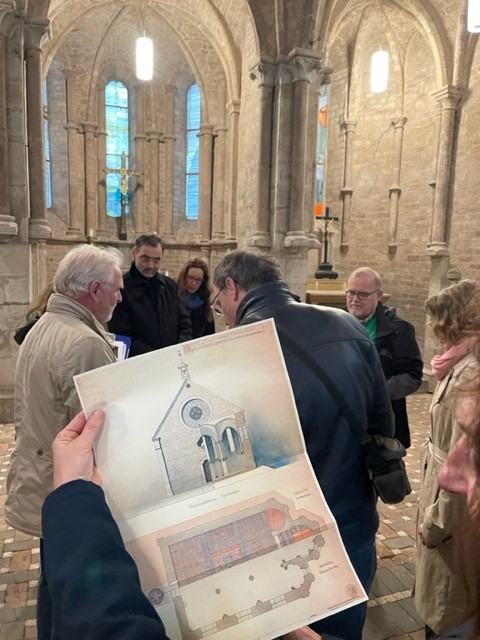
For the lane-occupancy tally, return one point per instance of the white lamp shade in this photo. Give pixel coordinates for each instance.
(473, 19)
(144, 58)
(379, 72)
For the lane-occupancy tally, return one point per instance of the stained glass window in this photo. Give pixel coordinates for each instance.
(46, 144)
(192, 152)
(116, 119)
(321, 152)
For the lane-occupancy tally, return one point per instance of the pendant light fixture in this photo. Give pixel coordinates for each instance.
(144, 58)
(379, 64)
(473, 19)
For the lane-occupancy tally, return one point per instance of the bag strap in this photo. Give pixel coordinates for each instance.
(331, 387)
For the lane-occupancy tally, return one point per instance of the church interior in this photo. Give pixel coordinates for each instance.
(258, 122)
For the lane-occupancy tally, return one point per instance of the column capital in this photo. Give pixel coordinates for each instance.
(448, 96)
(205, 130)
(35, 30)
(303, 62)
(264, 72)
(234, 107)
(349, 125)
(89, 127)
(154, 134)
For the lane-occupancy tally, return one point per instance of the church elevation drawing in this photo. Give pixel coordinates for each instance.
(202, 438)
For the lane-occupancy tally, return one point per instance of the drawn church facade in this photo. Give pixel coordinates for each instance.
(202, 438)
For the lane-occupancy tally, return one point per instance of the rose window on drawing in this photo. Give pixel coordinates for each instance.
(195, 412)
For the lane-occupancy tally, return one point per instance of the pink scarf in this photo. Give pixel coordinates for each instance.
(441, 365)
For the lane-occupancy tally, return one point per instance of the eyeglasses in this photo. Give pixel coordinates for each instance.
(214, 304)
(194, 279)
(361, 295)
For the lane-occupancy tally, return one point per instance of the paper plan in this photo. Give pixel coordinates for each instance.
(204, 467)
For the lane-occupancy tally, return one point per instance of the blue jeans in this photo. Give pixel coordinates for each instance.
(348, 624)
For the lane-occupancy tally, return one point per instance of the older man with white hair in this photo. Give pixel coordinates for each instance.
(67, 340)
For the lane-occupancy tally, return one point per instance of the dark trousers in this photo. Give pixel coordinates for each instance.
(348, 624)
(44, 604)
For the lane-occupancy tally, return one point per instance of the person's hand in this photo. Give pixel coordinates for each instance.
(73, 457)
(304, 633)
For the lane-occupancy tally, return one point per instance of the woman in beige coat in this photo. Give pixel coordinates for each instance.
(445, 587)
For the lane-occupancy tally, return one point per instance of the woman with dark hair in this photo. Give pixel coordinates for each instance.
(193, 286)
(445, 580)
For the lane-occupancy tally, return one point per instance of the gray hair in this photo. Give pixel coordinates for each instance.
(82, 266)
(149, 240)
(367, 271)
(248, 270)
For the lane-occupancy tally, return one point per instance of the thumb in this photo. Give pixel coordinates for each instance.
(92, 428)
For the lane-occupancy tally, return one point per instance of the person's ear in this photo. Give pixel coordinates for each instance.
(379, 295)
(134, 252)
(230, 284)
(94, 288)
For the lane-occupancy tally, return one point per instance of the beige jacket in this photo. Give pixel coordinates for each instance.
(445, 587)
(67, 340)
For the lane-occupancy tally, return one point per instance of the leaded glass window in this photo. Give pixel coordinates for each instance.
(192, 152)
(116, 119)
(46, 145)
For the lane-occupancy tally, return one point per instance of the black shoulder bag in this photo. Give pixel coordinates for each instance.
(382, 454)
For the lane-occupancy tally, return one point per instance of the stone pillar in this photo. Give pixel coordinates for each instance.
(264, 73)
(140, 139)
(347, 189)
(281, 155)
(395, 190)
(448, 97)
(101, 161)
(39, 228)
(205, 182)
(231, 213)
(76, 181)
(8, 226)
(218, 212)
(303, 63)
(169, 138)
(153, 138)
(90, 158)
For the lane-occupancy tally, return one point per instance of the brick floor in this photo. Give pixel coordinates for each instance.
(391, 613)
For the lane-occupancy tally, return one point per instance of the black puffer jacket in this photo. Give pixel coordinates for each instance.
(343, 348)
(401, 363)
(150, 326)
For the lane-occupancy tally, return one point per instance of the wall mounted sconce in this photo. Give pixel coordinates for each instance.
(473, 16)
(144, 58)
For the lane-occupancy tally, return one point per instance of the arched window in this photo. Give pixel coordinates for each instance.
(192, 153)
(116, 119)
(46, 144)
(319, 209)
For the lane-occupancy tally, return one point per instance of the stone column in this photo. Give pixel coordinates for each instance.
(303, 63)
(231, 212)
(140, 139)
(205, 182)
(395, 190)
(76, 181)
(101, 162)
(90, 158)
(39, 228)
(153, 138)
(169, 139)
(448, 97)
(281, 154)
(264, 73)
(347, 189)
(218, 212)
(8, 226)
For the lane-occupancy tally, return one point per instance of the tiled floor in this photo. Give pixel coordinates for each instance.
(391, 613)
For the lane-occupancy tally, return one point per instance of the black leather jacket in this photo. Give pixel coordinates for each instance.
(341, 346)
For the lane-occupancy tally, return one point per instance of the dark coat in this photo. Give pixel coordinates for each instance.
(200, 325)
(342, 346)
(92, 580)
(150, 328)
(401, 363)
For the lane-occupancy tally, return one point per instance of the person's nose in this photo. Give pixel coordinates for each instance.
(119, 296)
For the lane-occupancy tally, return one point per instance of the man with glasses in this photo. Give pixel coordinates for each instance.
(151, 313)
(249, 288)
(394, 339)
